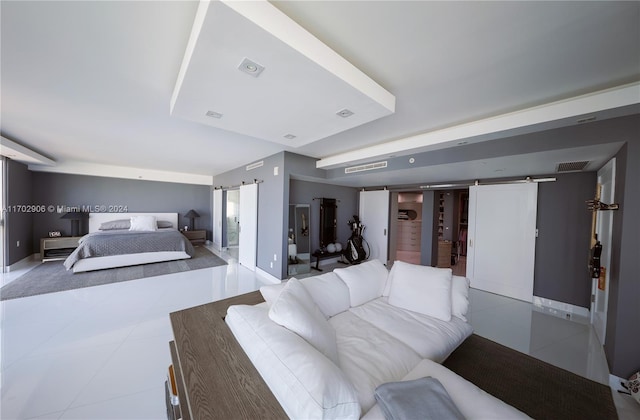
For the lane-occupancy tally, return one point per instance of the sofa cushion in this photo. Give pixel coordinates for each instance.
(422, 289)
(431, 338)
(306, 383)
(365, 281)
(459, 297)
(270, 292)
(473, 402)
(369, 356)
(295, 309)
(329, 292)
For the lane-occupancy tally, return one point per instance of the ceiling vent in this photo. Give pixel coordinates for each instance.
(367, 167)
(255, 165)
(572, 166)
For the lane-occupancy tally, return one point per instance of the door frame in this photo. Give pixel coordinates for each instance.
(600, 298)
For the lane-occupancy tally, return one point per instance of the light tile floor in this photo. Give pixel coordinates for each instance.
(102, 352)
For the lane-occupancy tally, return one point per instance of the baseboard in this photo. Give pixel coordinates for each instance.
(565, 310)
(267, 276)
(23, 263)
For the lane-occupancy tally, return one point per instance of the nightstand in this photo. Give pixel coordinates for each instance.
(53, 249)
(196, 237)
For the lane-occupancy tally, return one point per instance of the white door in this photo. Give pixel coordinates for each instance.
(217, 219)
(604, 226)
(248, 225)
(2, 216)
(374, 215)
(501, 239)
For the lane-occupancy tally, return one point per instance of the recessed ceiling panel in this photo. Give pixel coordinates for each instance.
(263, 75)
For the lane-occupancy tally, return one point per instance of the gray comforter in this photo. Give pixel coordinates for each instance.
(121, 242)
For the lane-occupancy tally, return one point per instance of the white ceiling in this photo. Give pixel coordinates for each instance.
(90, 83)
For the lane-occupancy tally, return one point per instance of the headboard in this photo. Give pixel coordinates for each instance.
(96, 219)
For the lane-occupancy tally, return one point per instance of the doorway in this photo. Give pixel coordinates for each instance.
(231, 236)
(2, 214)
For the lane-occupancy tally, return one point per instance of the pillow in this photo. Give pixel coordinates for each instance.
(163, 224)
(295, 310)
(328, 292)
(143, 223)
(365, 281)
(306, 383)
(271, 292)
(459, 297)
(422, 289)
(121, 224)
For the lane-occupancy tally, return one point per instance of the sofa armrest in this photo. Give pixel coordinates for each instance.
(219, 379)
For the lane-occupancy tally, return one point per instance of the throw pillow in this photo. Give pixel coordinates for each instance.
(295, 310)
(460, 297)
(422, 289)
(365, 281)
(143, 223)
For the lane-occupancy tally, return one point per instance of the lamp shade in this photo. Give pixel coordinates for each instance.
(191, 214)
(74, 215)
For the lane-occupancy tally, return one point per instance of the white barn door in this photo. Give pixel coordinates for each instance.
(374, 215)
(501, 239)
(248, 226)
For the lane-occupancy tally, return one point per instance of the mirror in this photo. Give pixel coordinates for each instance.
(328, 223)
(298, 240)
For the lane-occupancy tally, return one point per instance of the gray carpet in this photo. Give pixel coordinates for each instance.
(50, 277)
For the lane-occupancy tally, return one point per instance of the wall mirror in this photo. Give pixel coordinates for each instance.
(328, 222)
(298, 240)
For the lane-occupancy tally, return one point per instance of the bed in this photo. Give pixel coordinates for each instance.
(110, 243)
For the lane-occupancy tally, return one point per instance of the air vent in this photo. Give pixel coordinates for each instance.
(572, 166)
(367, 167)
(255, 165)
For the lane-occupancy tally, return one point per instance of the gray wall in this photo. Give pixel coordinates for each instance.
(562, 247)
(273, 214)
(304, 192)
(136, 195)
(19, 225)
(429, 237)
(622, 346)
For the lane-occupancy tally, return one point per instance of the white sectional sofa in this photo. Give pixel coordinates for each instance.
(324, 344)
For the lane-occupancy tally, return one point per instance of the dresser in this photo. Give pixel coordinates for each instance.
(409, 233)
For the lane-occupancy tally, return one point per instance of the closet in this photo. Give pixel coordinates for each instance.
(409, 227)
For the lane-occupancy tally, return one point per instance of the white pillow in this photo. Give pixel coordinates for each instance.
(460, 297)
(295, 310)
(422, 289)
(143, 223)
(306, 383)
(365, 281)
(271, 292)
(329, 292)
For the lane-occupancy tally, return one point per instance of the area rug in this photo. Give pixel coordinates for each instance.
(540, 390)
(50, 277)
